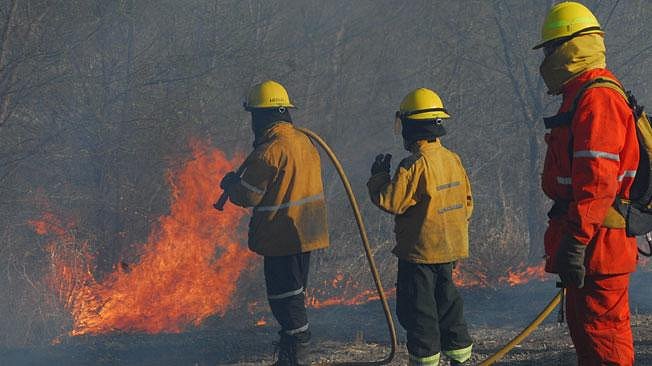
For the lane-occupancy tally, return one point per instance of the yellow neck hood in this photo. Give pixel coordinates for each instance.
(572, 58)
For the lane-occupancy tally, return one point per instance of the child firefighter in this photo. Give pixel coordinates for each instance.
(430, 196)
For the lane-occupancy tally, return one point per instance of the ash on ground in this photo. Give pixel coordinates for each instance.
(549, 345)
(353, 333)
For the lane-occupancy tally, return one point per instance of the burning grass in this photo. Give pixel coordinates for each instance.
(188, 268)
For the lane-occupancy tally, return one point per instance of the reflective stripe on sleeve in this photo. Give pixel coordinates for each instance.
(297, 330)
(627, 174)
(596, 154)
(447, 186)
(285, 294)
(450, 208)
(251, 187)
(567, 181)
(424, 361)
(300, 202)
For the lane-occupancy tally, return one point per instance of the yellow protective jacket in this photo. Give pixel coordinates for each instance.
(430, 195)
(281, 180)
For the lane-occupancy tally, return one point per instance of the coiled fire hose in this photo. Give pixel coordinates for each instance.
(527, 331)
(367, 249)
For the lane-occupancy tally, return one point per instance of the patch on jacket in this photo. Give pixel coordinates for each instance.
(409, 161)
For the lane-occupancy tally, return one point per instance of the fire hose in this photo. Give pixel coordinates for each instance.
(367, 249)
(527, 331)
(376, 277)
(372, 265)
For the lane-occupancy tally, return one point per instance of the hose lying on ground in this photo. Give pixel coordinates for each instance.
(368, 253)
(379, 287)
(372, 265)
(525, 332)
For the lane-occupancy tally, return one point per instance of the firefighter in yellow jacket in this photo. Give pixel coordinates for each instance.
(430, 196)
(281, 180)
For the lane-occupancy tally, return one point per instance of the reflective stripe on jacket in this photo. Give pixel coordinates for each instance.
(430, 195)
(282, 181)
(589, 172)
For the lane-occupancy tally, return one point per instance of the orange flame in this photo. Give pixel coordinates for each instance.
(261, 322)
(518, 275)
(466, 279)
(525, 275)
(178, 280)
(348, 292)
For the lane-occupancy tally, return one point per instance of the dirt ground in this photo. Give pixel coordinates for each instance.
(548, 345)
(352, 333)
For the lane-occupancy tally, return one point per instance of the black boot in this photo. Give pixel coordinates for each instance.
(457, 363)
(293, 350)
(286, 352)
(302, 353)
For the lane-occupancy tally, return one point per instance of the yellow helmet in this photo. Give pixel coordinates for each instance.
(568, 19)
(422, 103)
(268, 94)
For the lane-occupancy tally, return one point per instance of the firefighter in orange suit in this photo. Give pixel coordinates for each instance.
(591, 160)
(281, 179)
(430, 196)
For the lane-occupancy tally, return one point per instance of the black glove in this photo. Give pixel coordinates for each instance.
(229, 179)
(381, 164)
(570, 262)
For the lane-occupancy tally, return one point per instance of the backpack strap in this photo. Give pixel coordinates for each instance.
(604, 83)
(565, 119)
(558, 120)
(612, 84)
(614, 218)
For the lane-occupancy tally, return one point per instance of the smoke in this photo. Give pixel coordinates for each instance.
(100, 98)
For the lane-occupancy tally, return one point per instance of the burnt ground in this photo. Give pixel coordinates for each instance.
(347, 333)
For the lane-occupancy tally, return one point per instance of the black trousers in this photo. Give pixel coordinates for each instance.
(286, 278)
(430, 309)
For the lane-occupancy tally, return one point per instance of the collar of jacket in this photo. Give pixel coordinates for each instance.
(274, 130)
(572, 58)
(573, 86)
(425, 145)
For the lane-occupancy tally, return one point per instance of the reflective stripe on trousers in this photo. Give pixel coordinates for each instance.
(627, 174)
(286, 278)
(460, 355)
(424, 361)
(285, 294)
(297, 330)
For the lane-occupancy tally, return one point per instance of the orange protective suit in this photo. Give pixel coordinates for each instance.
(598, 320)
(605, 158)
(587, 169)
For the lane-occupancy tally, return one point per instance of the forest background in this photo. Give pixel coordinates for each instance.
(98, 99)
